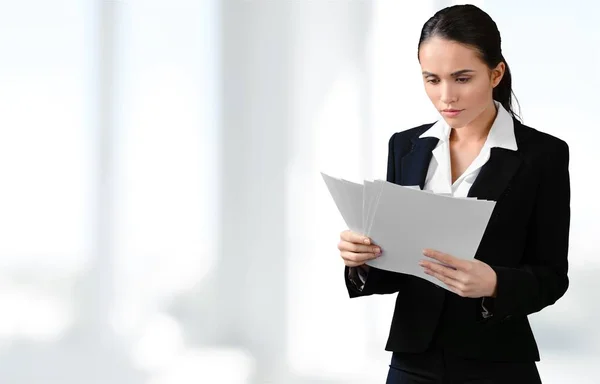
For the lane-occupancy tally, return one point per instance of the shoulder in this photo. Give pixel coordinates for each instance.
(537, 144)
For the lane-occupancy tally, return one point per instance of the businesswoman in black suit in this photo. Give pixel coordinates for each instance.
(477, 331)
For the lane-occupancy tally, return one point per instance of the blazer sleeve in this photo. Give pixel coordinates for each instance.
(542, 279)
(375, 281)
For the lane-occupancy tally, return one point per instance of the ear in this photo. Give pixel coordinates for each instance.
(497, 73)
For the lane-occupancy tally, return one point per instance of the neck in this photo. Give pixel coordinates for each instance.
(478, 129)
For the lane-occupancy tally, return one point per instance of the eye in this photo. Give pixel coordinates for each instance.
(462, 80)
(433, 81)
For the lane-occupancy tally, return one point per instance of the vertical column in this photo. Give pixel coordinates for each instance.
(250, 274)
(330, 108)
(98, 290)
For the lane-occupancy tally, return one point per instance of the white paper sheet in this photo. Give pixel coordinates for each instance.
(405, 220)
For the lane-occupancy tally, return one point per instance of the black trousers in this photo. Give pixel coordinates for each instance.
(437, 366)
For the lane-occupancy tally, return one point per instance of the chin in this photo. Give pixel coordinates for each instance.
(456, 123)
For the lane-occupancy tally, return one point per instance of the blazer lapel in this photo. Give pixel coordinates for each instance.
(496, 174)
(414, 165)
(490, 184)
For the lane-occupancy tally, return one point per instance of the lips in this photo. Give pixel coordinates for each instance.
(451, 112)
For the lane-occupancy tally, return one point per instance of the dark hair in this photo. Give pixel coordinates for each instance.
(471, 26)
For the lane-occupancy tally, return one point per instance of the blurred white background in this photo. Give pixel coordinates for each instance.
(162, 215)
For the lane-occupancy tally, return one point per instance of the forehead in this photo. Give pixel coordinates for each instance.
(442, 57)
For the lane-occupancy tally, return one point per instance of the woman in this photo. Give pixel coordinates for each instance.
(477, 331)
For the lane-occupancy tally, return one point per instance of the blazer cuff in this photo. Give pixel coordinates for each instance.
(358, 276)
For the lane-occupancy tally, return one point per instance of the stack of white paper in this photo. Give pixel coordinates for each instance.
(403, 221)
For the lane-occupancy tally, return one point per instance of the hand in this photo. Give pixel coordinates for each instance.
(466, 278)
(356, 249)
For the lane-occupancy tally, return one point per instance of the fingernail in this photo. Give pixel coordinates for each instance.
(367, 241)
(377, 250)
(421, 264)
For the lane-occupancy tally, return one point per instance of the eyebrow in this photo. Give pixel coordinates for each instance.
(453, 74)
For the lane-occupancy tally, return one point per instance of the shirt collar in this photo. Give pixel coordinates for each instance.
(502, 133)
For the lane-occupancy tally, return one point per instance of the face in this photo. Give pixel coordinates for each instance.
(457, 81)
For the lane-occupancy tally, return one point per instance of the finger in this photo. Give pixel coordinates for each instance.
(458, 279)
(443, 270)
(354, 237)
(453, 285)
(357, 257)
(445, 258)
(457, 291)
(358, 248)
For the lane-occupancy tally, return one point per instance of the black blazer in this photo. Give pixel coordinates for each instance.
(525, 242)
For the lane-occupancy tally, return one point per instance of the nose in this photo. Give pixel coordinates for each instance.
(448, 94)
